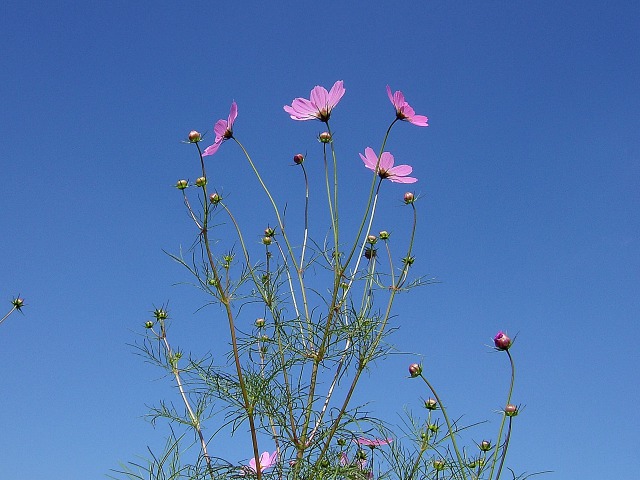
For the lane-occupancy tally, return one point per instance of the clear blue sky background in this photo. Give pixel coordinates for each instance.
(529, 171)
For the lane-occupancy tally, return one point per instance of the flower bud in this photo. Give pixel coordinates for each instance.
(298, 158)
(194, 136)
(160, 314)
(511, 410)
(415, 369)
(370, 253)
(372, 239)
(501, 341)
(260, 322)
(438, 465)
(201, 181)
(148, 324)
(384, 235)
(182, 184)
(409, 198)
(324, 137)
(215, 198)
(430, 404)
(485, 445)
(433, 427)
(17, 303)
(267, 241)
(269, 232)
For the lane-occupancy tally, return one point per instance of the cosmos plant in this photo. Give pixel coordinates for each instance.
(305, 314)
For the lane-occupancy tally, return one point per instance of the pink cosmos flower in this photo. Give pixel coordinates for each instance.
(386, 169)
(318, 106)
(266, 461)
(377, 442)
(404, 110)
(223, 130)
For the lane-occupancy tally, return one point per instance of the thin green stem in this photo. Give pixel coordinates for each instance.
(504, 418)
(450, 428)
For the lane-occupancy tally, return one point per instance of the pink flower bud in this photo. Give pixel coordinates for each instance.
(372, 239)
(298, 158)
(501, 341)
(485, 445)
(324, 137)
(215, 198)
(409, 198)
(194, 136)
(511, 410)
(415, 369)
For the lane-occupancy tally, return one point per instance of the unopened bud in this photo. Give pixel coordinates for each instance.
(182, 184)
(372, 239)
(160, 314)
(269, 232)
(201, 181)
(511, 410)
(194, 136)
(485, 445)
(298, 158)
(438, 465)
(267, 240)
(409, 198)
(384, 235)
(215, 198)
(260, 322)
(415, 369)
(324, 137)
(17, 303)
(148, 324)
(430, 404)
(501, 341)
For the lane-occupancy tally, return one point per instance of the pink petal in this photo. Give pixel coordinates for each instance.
(419, 120)
(390, 95)
(370, 159)
(211, 149)
(319, 96)
(386, 161)
(233, 114)
(220, 128)
(400, 170)
(336, 93)
(395, 179)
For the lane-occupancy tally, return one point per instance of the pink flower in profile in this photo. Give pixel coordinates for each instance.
(266, 461)
(223, 130)
(377, 442)
(318, 106)
(397, 174)
(404, 111)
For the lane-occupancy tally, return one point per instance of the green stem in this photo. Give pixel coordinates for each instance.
(449, 425)
(504, 418)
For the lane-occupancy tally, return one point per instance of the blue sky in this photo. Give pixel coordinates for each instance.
(529, 173)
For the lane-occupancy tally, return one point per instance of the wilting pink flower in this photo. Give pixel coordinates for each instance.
(266, 461)
(318, 106)
(404, 110)
(501, 341)
(377, 442)
(223, 130)
(386, 169)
